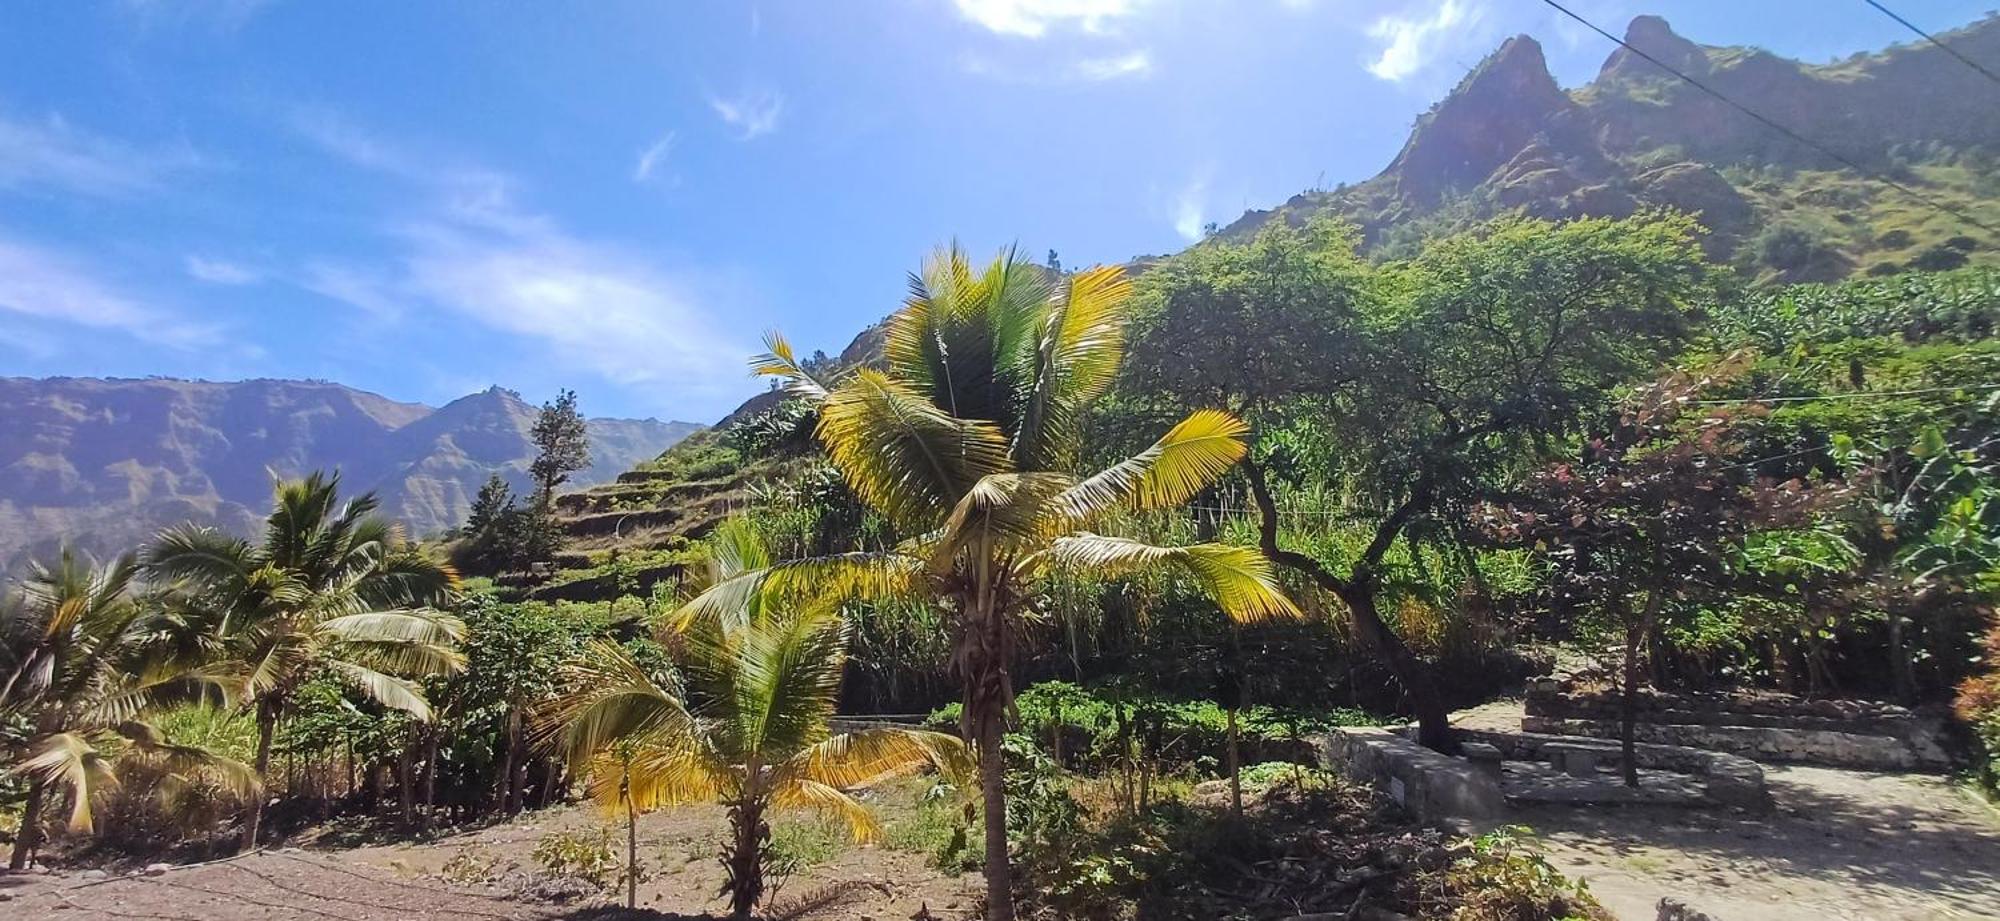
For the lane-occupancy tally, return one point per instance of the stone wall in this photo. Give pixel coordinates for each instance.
(1863, 734)
(1431, 786)
(1727, 779)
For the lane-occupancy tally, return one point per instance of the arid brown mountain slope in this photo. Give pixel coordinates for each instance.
(105, 463)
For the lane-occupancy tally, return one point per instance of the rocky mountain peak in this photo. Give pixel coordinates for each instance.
(1493, 114)
(1652, 35)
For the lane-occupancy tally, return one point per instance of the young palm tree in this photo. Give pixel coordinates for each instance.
(744, 722)
(79, 666)
(331, 588)
(970, 438)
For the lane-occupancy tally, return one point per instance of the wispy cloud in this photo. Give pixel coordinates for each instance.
(1134, 64)
(1409, 43)
(223, 15)
(1189, 205)
(1130, 65)
(470, 247)
(1035, 18)
(221, 271)
(652, 158)
(44, 284)
(356, 287)
(52, 153)
(751, 113)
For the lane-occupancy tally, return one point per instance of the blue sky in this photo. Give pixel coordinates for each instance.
(422, 199)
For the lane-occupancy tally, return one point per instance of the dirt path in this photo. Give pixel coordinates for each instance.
(1841, 844)
(401, 882)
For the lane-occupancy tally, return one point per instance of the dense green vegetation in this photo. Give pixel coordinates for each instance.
(1384, 489)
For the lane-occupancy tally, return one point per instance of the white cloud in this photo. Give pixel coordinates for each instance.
(469, 247)
(352, 286)
(1134, 64)
(38, 283)
(1411, 43)
(53, 153)
(221, 271)
(652, 157)
(752, 113)
(1188, 209)
(1034, 18)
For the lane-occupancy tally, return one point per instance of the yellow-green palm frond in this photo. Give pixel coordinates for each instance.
(1239, 579)
(775, 682)
(781, 362)
(70, 762)
(736, 547)
(418, 642)
(189, 762)
(1009, 508)
(385, 689)
(1071, 361)
(612, 700)
(811, 583)
(828, 801)
(903, 455)
(858, 759)
(1191, 457)
(656, 776)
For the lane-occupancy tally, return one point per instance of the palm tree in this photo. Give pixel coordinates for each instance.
(79, 665)
(970, 438)
(331, 589)
(743, 722)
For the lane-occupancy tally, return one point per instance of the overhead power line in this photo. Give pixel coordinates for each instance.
(1947, 49)
(1836, 156)
(1856, 395)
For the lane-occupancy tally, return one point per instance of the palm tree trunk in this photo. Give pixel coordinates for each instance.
(1900, 670)
(430, 776)
(517, 759)
(267, 727)
(745, 860)
(406, 781)
(30, 834)
(993, 797)
(631, 845)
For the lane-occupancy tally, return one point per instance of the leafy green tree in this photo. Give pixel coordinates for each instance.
(970, 437)
(742, 722)
(1441, 377)
(562, 444)
(79, 667)
(331, 588)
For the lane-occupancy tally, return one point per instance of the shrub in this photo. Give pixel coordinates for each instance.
(1939, 258)
(582, 855)
(1979, 705)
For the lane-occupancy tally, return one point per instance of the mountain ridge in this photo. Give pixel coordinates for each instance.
(105, 462)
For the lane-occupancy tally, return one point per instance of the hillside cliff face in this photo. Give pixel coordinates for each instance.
(106, 463)
(1508, 139)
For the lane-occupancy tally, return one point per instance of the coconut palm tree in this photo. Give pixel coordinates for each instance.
(743, 722)
(970, 438)
(331, 589)
(79, 667)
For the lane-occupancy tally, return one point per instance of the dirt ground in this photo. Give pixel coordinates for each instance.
(400, 882)
(1842, 844)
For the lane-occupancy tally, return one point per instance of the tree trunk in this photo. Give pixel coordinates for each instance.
(406, 781)
(1433, 721)
(631, 845)
(745, 859)
(29, 837)
(1900, 669)
(1235, 769)
(430, 776)
(1628, 708)
(993, 796)
(267, 726)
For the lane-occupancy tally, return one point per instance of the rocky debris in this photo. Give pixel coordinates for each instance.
(1676, 910)
(157, 869)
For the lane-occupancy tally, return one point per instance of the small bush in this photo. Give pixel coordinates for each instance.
(944, 829)
(582, 855)
(799, 845)
(1500, 876)
(475, 864)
